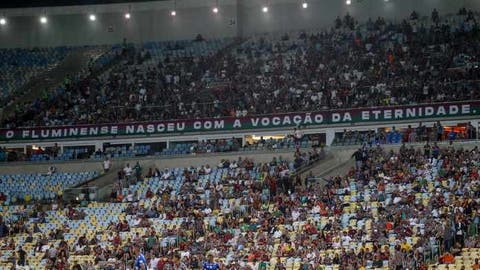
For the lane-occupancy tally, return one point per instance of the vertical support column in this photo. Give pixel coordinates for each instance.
(476, 125)
(168, 144)
(98, 145)
(329, 136)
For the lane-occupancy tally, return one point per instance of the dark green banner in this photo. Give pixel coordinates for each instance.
(360, 115)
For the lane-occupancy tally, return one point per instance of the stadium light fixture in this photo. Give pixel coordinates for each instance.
(215, 7)
(43, 19)
(127, 14)
(3, 21)
(174, 10)
(92, 17)
(265, 9)
(348, 2)
(304, 4)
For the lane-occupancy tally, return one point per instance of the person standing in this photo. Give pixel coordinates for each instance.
(128, 173)
(476, 265)
(140, 261)
(22, 257)
(358, 155)
(4, 230)
(76, 266)
(210, 264)
(426, 150)
(440, 131)
(107, 164)
(471, 131)
(138, 171)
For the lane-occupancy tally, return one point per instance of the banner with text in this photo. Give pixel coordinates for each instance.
(352, 116)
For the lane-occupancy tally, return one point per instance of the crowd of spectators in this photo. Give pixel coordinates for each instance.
(128, 91)
(350, 65)
(420, 133)
(129, 175)
(378, 64)
(397, 210)
(393, 209)
(294, 140)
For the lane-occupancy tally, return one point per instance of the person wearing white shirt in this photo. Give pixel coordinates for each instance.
(298, 134)
(336, 242)
(208, 170)
(277, 234)
(166, 175)
(107, 164)
(137, 221)
(295, 215)
(153, 263)
(127, 170)
(284, 173)
(346, 239)
(128, 173)
(130, 197)
(397, 200)
(110, 237)
(78, 249)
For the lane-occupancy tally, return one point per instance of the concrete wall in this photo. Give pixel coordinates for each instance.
(168, 162)
(152, 20)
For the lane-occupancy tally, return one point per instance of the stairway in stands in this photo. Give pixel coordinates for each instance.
(336, 163)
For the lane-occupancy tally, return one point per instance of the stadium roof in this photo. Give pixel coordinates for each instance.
(52, 3)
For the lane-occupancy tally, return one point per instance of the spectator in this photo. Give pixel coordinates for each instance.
(140, 261)
(3, 228)
(138, 171)
(51, 170)
(127, 172)
(209, 264)
(334, 69)
(107, 164)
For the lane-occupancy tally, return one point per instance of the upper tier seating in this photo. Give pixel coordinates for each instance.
(18, 66)
(376, 64)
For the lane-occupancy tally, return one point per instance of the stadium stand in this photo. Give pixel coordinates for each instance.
(40, 187)
(420, 133)
(175, 149)
(378, 216)
(412, 206)
(137, 77)
(379, 63)
(18, 66)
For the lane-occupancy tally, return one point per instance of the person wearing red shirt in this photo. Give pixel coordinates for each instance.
(476, 265)
(117, 240)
